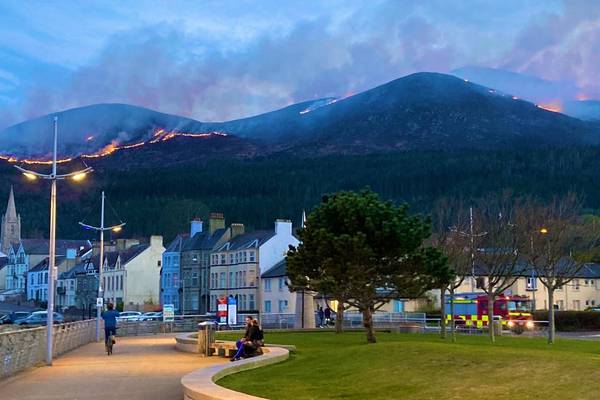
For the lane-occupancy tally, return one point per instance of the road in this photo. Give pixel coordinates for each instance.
(141, 368)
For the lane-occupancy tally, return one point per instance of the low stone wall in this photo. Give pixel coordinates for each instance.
(200, 384)
(188, 343)
(26, 348)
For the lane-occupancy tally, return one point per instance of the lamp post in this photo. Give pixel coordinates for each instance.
(53, 176)
(101, 229)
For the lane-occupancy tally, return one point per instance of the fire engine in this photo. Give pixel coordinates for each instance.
(471, 310)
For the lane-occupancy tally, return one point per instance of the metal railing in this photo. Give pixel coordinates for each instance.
(21, 349)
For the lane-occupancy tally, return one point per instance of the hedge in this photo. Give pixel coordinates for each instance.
(572, 320)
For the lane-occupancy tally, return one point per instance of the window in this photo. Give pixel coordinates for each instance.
(222, 258)
(243, 283)
(175, 279)
(251, 301)
(576, 284)
(158, 263)
(194, 279)
(532, 283)
(281, 284)
(231, 281)
(267, 285)
(251, 256)
(244, 256)
(283, 305)
(222, 280)
(231, 258)
(30, 279)
(267, 306)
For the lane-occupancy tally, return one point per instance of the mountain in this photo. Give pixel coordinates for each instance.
(90, 128)
(422, 111)
(434, 111)
(532, 88)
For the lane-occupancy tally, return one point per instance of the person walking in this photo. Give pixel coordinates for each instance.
(321, 315)
(327, 314)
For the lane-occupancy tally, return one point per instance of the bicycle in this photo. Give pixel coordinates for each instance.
(109, 345)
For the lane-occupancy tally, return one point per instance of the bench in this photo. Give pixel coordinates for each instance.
(229, 349)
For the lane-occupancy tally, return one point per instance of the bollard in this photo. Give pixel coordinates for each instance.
(206, 337)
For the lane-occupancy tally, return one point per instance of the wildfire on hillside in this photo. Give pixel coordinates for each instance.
(554, 106)
(160, 135)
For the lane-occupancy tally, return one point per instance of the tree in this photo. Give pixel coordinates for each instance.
(557, 242)
(497, 253)
(370, 249)
(453, 235)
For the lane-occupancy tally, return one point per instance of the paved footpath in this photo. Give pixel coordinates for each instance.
(141, 368)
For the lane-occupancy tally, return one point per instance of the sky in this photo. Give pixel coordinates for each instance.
(220, 60)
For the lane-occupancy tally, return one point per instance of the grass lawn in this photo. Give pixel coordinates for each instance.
(404, 366)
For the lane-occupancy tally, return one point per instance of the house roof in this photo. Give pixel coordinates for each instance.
(276, 271)
(203, 240)
(247, 240)
(43, 265)
(177, 243)
(72, 273)
(3, 261)
(590, 271)
(41, 246)
(132, 252)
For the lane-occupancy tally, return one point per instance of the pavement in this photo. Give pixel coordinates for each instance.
(141, 368)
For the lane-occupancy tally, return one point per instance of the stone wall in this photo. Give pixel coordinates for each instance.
(27, 347)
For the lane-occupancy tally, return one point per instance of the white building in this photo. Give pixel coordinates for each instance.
(274, 292)
(133, 276)
(237, 265)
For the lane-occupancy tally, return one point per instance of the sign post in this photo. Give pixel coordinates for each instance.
(222, 310)
(168, 313)
(231, 311)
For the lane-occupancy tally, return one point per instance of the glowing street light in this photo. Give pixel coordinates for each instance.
(101, 228)
(543, 231)
(53, 176)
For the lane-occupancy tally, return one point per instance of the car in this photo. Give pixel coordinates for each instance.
(597, 309)
(39, 318)
(12, 317)
(150, 316)
(127, 316)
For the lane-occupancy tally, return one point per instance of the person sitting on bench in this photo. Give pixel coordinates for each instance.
(240, 343)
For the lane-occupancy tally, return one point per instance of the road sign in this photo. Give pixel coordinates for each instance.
(231, 311)
(168, 313)
(99, 301)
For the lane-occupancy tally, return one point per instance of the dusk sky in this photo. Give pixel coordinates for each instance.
(218, 60)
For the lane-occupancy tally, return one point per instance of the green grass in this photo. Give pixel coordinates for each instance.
(403, 366)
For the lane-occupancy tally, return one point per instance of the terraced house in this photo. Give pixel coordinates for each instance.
(237, 265)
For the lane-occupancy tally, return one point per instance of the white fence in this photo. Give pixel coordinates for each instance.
(27, 347)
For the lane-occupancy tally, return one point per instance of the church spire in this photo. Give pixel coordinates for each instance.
(11, 209)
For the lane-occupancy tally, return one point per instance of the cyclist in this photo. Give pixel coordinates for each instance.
(110, 322)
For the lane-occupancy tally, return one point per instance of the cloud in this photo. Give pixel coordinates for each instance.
(176, 71)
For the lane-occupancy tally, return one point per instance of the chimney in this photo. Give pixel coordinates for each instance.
(215, 221)
(156, 241)
(283, 227)
(237, 229)
(195, 226)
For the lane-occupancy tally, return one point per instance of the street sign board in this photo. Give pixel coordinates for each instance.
(222, 310)
(231, 311)
(168, 313)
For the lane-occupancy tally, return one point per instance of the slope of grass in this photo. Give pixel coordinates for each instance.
(402, 366)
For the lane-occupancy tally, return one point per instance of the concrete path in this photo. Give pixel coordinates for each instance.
(143, 368)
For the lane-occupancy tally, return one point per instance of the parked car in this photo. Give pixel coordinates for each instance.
(127, 316)
(597, 309)
(12, 317)
(39, 318)
(151, 316)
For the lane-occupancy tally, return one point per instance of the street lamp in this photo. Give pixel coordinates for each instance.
(101, 228)
(53, 176)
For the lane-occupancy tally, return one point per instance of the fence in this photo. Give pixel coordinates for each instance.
(27, 347)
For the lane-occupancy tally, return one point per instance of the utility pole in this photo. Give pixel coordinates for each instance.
(101, 228)
(471, 235)
(53, 177)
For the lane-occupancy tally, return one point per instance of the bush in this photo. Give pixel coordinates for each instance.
(572, 320)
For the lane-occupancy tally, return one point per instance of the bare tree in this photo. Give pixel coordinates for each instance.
(453, 235)
(497, 255)
(557, 242)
